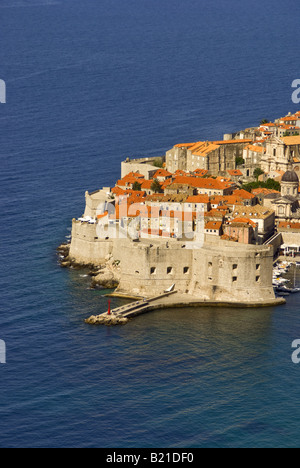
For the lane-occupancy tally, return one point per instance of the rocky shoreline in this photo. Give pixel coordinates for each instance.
(105, 319)
(104, 276)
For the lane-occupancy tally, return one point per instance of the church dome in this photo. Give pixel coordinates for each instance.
(290, 176)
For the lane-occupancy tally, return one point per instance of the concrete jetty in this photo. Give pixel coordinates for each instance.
(121, 315)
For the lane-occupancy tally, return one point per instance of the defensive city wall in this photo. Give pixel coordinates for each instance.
(219, 271)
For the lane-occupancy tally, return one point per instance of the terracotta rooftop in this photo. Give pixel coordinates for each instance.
(253, 212)
(213, 225)
(208, 183)
(291, 140)
(243, 194)
(198, 199)
(162, 173)
(243, 221)
(235, 173)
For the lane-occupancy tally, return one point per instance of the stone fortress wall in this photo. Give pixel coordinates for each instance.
(218, 271)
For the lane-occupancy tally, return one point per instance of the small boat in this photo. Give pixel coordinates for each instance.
(282, 294)
(284, 289)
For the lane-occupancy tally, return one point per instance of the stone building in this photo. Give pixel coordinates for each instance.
(203, 268)
(281, 153)
(287, 206)
(243, 230)
(252, 156)
(216, 157)
(263, 217)
(219, 271)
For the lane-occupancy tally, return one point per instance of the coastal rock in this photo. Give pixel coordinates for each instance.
(63, 248)
(105, 279)
(91, 320)
(108, 320)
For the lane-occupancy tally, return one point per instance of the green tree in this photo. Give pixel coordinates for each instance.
(264, 121)
(158, 163)
(270, 184)
(273, 185)
(136, 186)
(156, 187)
(258, 172)
(239, 161)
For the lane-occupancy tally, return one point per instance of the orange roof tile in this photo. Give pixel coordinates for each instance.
(256, 148)
(133, 175)
(146, 185)
(201, 172)
(213, 225)
(184, 145)
(203, 148)
(243, 194)
(243, 221)
(291, 140)
(235, 172)
(198, 182)
(202, 199)
(118, 191)
(290, 118)
(162, 173)
(232, 142)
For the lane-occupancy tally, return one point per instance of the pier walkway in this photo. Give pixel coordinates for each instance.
(121, 315)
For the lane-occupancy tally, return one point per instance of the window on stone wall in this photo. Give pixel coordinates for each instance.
(210, 271)
(186, 270)
(169, 271)
(234, 279)
(258, 279)
(153, 271)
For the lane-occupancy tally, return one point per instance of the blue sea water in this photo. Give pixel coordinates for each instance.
(90, 83)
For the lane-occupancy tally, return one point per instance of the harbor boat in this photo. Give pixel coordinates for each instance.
(282, 294)
(284, 289)
(280, 284)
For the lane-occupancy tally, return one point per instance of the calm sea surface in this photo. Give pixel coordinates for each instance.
(90, 83)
